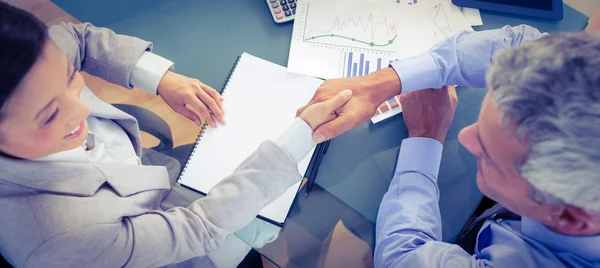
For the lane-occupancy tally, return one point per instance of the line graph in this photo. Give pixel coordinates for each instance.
(389, 42)
(440, 19)
(360, 30)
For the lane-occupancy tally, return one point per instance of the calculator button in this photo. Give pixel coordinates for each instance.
(274, 5)
(293, 5)
(279, 16)
(285, 8)
(277, 10)
(273, 1)
(291, 1)
(288, 13)
(282, 2)
(294, 11)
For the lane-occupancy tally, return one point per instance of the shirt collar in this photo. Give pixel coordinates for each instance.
(74, 155)
(587, 247)
(82, 153)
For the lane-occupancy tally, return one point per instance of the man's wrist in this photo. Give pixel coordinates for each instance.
(384, 84)
(441, 137)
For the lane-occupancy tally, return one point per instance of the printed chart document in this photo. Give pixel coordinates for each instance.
(334, 39)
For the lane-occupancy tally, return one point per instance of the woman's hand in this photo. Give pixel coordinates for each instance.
(320, 113)
(190, 97)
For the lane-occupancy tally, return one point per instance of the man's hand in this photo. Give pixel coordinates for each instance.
(429, 112)
(368, 93)
(323, 112)
(185, 95)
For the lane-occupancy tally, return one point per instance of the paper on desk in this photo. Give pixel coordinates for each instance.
(472, 15)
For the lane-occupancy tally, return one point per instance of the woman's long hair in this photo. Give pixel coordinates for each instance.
(22, 39)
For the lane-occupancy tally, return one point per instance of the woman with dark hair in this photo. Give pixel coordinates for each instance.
(73, 192)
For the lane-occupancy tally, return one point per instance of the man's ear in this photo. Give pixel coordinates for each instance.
(570, 220)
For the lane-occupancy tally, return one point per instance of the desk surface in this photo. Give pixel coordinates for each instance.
(337, 219)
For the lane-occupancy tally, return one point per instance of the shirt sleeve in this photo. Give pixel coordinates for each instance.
(409, 225)
(148, 71)
(100, 51)
(461, 60)
(296, 140)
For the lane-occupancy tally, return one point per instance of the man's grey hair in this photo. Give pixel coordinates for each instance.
(549, 89)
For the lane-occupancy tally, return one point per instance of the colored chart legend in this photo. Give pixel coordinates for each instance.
(387, 109)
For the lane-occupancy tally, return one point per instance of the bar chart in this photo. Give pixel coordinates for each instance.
(359, 64)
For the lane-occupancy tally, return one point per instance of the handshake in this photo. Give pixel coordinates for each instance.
(342, 104)
(318, 114)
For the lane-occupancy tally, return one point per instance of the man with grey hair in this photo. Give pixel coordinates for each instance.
(537, 141)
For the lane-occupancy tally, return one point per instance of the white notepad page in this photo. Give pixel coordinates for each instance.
(261, 100)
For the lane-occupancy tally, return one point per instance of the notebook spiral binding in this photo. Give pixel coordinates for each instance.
(205, 125)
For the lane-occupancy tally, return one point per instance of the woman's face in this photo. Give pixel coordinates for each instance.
(44, 114)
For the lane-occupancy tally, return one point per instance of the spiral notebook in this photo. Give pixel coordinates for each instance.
(261, 99)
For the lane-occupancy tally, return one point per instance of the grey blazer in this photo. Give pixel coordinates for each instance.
(62, 214)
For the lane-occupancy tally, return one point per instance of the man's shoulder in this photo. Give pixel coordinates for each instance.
(510, 247)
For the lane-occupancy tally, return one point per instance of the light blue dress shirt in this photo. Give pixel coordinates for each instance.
(409, 224)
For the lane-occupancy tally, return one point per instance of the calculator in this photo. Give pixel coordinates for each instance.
(282, 10)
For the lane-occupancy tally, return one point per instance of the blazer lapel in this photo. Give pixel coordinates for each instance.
(62, 177)
(83, 179)
(131, 179)
(102, 109)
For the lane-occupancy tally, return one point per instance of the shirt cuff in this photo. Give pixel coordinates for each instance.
(296, 140)
(148, 72)
(422, 155)
(419, 72)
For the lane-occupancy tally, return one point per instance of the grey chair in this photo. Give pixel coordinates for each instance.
(154, 125)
